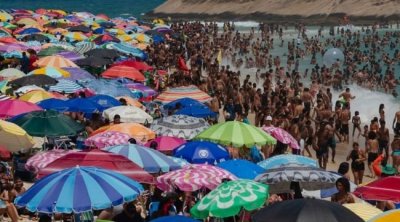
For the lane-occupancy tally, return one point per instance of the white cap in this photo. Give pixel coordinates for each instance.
(268, 118)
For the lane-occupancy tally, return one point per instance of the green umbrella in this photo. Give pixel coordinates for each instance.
(236, 134)
(50, 51)
(229, 198)
(48, 123)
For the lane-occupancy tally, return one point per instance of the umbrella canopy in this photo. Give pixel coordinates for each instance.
(101, 39)
(55, 104)
(98, 158)
(75, 36)
(105, 101)
(80, 28)
(50, 71)
(11, 73)
(123, 72)
(84, 47)
(48, 123)
(50, 51)
(55, 61)
(83, 105)
(66, 86)
(184, 102)
(4, 153)
(12, 107)
(236, 134)
(387, 188)
(200, 111)
(229, 198)
(364, 210)
(175, 219)
(282, 136)
(147, 91)
(202, 152)
(309, 210)
(141, 66)
(44, 158)
(94, 61)
(14, 138)
(242, 168)
(128, 114)
(193, 177)
(79, 189)
(150, 160)
(36, 37)
(388, 216)
(179, 161)
(73, 56)
(78, 73)
(281, 160)
(36, 96)
(103, 53)
(181, 126)
(106, 139)
(310, 178)
(26, 89)
(39, 80)
(181, 92)
(166, 143)
(135, 130)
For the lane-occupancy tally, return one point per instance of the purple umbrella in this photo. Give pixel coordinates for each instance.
(73, 56)
(147, 91)
(13, 47)
(78, 73)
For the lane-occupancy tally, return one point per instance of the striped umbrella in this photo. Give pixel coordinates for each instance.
(84, 47)
(55, 61)
(42, 159)
(280, 160)
(193, 177)
(181, 92)
(236, 134)
(106, 139)
(282, 136)
(150, 160)
(79, 189)
(75, 36)
(66, 86)
(129, 50)
(364, 210)
(4, 97)
(50, 71)
(135, 130)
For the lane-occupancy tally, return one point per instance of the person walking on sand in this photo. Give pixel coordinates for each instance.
(357, 157)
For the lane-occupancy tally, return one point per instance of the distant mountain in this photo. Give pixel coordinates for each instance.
(361, 10)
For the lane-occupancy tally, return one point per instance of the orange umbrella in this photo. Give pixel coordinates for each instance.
(132, 102)
(124, 72)
(55, 61)
(135, 130)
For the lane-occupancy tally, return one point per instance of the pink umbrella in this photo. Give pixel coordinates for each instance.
(105, 139)
(12, 107)
(166, 143)
(193, 177)
(42, 159)
(282, 136)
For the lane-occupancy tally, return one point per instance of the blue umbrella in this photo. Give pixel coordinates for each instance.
(105, 101)
(129, 50)
(278, 161)
(202, 152)
(174, 219)
(29, 31)
(83, 105)
(242, 168)
(54, 104)
(199, 111)
(105, 87)
(150, 160)
(79, 189)
(183, 101)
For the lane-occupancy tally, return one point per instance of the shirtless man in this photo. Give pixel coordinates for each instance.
(347, 96)
(383, 138)
(396, 123)
(395, 145)
(321, 145)
(307, 98)
(344, 117)
(214, 105)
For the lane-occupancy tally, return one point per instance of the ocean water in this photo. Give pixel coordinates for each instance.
(112, 8)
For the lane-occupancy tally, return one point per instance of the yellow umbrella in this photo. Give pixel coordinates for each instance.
(13, 137)
(50, 71)
(4, 16)
(59, 30)
(364, 210)
(28, 22)
(76, 36)
(55, 61)
(125, 38)
(36, 96)
(388, 216)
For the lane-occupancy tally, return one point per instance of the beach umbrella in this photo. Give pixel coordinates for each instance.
(384, 189)
(44, 158)
(129, 50)
(135, 130)
(79, 189)
(105, 101)
(27, 22)
(54, 104)
(94, 61)
(103, 53)
(107, 25)
(48, 123)
(98, 158)
(142, 37)
(310, 178)
(50, 51)
(55, 61)
(66, 86)
(4, 153)
(36, 96)
(141, 66)
(13, 47)
(73, 56)
(104, 38)
(280, 160)
(150, 160)
(193, 177)
(309, 210)
(12, 107)
(147, 91)
(181, 92)
(123, 72)
(242, 168)
(39, 80)
(84, 47)
(128, 114)
(78, 74)
(199, 111)
(14, 138)
(177, 218)
(80, 28)
(26, 89)
(11, 74)
(131, 101)
(4, 97)
(202, 152)
(27, 31)
(75, 36)
(388, 216)
(166, 143)
(184, 102)
(236, 134)
(282, 136)
(83, 105)
(182, 126)
(5, 16)
(181, 162)
(325, 193)
(364, 210)
(102, 86)
(106, 139)
(50, 71)
(229, 198)
(36, 37)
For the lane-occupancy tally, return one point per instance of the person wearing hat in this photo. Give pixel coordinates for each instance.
(381, 168)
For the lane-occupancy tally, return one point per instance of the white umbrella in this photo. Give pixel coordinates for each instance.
(26, 89)
(128, 114)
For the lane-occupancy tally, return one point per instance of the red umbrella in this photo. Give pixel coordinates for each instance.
(387, 188)
(4, 153)
(142, 66)
(99, 158)
(105, 38)
(123, 72)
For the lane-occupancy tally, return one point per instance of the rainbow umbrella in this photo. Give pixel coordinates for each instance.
(55, 61)
(180, 92)
(50, 71)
